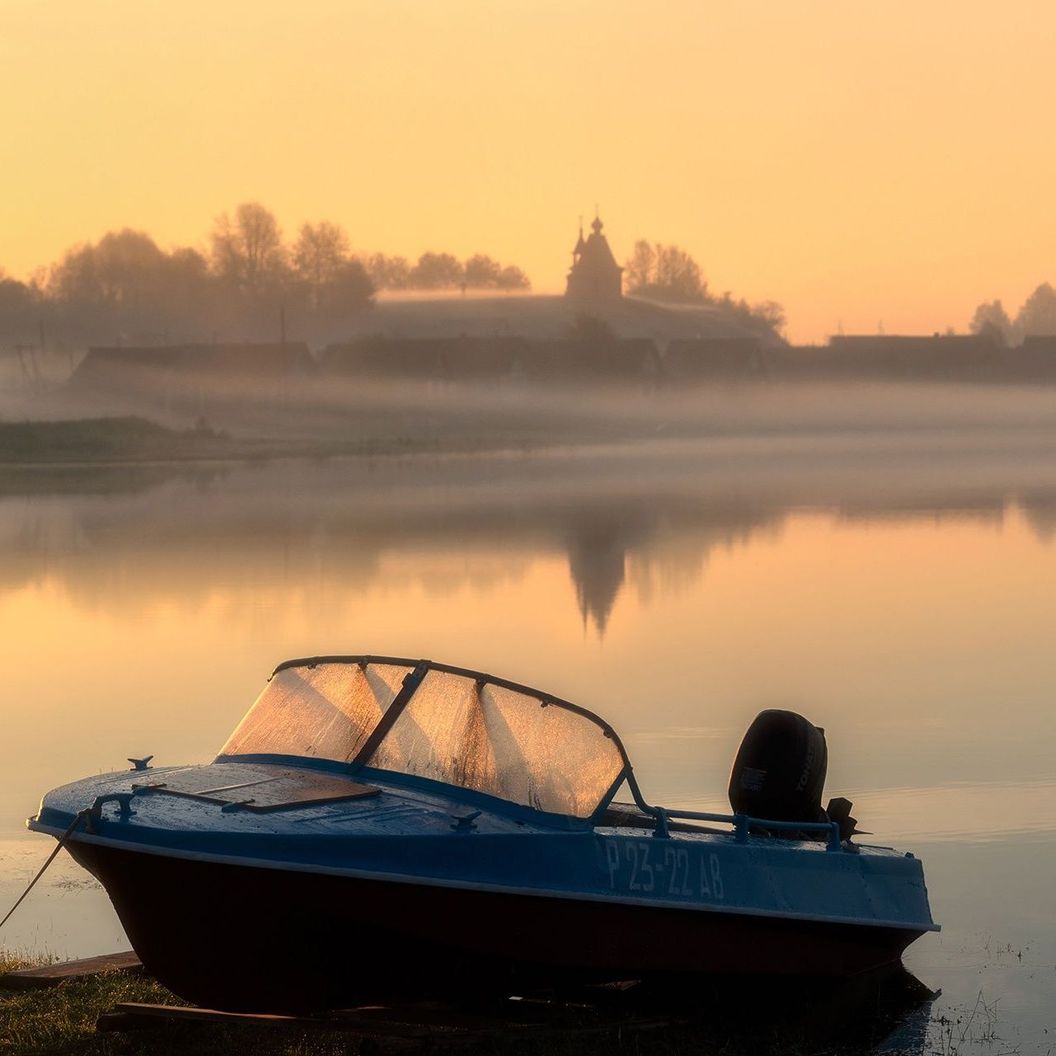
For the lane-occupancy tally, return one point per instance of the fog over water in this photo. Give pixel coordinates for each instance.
(885, 570)
(436, 415)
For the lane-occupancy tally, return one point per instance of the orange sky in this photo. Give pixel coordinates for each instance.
(860, 163)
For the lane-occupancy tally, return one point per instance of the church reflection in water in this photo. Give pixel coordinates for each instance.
(103, 535)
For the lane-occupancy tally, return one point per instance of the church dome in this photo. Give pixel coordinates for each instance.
(595, 275)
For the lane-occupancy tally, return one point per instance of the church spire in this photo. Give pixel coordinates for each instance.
(595, 275)
(580, 243)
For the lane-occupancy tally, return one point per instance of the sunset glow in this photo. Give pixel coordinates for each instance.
(864, 165)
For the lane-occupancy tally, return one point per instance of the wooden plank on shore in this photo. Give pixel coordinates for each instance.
(62, 971)
(132, 1015)
(411, 1024)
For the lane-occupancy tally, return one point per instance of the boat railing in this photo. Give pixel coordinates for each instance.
(742, 823)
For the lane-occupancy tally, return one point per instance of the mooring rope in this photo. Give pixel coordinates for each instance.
(81, 815)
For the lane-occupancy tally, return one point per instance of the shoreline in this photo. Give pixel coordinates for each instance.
(139, 443)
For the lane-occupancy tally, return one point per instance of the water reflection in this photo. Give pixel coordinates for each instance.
(888, 1011)
(112, 540)
(905, 604)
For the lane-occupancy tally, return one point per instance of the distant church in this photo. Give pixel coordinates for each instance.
(595, 276)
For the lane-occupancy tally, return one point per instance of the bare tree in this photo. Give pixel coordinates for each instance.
(442, 271)
(678, 275)
(126, 288)
(319, 254)
(666, 273)
(247, 250)
(640, 268)
(319, 251)
(18, 308)
(669, 273)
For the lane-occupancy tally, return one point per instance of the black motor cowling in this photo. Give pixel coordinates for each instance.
(780, 768)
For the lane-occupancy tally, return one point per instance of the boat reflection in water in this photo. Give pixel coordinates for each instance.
(887, 1010)
(379, 826)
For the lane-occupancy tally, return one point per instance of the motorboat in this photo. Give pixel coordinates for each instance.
(379, 826)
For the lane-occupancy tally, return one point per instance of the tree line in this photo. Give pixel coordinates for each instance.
(246, 283)
(668, 273)
(442, 271)
(1035, 318)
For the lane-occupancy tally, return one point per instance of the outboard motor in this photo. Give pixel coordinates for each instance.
(780, 768)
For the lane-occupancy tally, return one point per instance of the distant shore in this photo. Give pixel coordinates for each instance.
(781, 422)
(91, 442)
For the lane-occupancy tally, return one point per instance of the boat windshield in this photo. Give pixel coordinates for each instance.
(448, 725)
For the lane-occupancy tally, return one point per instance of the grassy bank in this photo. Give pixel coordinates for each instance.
(62, 1019)
(61, 1022)
(107, 440)
(129, 441)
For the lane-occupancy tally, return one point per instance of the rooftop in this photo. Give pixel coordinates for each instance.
(539, 316)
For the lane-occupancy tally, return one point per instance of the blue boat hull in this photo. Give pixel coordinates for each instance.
(248, 938)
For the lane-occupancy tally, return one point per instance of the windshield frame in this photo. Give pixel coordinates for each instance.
(418, 670)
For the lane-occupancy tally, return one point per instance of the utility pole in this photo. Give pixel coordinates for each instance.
(22, 361)
(31, 376)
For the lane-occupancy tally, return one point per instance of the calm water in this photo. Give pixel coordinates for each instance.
(906, 604)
